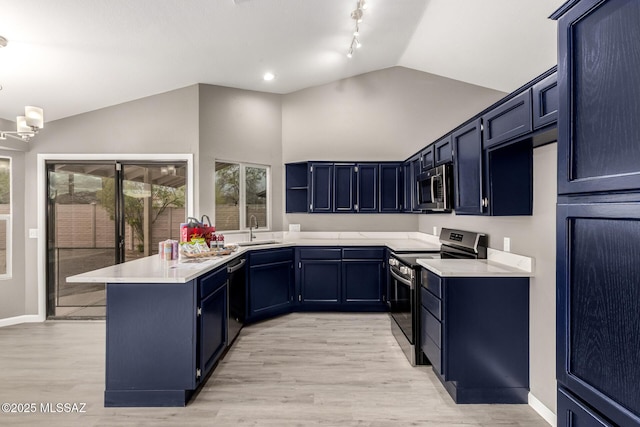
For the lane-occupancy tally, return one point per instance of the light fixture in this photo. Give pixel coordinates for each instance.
(27, 126)
(268, 76)
(3, 42)
(356, 15)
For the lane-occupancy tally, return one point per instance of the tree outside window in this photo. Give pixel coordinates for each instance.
(241, 192)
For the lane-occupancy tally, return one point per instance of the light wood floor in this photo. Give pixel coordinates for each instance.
(296, 370)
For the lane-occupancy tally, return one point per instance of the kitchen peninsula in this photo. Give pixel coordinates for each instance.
(167, 320)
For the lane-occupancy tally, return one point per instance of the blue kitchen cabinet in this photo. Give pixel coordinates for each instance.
(599, 89)
(319, 277)
(367, 187)
(363, 282)
(297, 187)
(598, 306)
(391, 186)
(271, 283)
(545, 99)
(573, 413)
(508, 120)
(427, 159)
(468, 169)
(442, 151)
(598, 214)
(321, 179)
(345, 184)
(179, 335)
(475, 333)
(213, 319)
(408, 186)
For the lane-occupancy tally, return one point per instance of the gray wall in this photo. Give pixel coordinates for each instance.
(379, 116)
(164, 123)
(533, 236)
(245, 126)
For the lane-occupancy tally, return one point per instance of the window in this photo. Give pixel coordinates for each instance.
(242, 194)
(5, 218)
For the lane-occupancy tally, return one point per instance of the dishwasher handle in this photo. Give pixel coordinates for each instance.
(238, 266)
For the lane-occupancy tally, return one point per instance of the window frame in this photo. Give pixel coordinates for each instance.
(9, 226)
(242, 197)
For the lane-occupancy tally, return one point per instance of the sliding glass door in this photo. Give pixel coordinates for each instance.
(104, 213)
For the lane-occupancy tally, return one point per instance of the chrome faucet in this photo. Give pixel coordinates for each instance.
(252, 217)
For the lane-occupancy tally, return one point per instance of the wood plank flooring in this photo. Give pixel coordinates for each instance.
(304, 369)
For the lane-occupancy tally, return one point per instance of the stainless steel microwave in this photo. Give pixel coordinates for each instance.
(434, 189)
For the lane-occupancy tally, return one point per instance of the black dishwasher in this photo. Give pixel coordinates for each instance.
(237, 297)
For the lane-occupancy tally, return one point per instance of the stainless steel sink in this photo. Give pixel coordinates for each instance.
(257, 243)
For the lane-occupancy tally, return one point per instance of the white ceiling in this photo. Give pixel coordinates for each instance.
(74, 56)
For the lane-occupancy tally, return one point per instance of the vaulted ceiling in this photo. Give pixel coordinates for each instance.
(74, 56)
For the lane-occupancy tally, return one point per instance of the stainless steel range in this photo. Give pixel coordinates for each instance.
(404, 285)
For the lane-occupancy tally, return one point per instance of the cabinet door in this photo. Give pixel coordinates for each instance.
(321, 187)
(467, 164)
(416, 170)
(408, 186)
(599, 87)
(344, 188)
(545, 101)
(367, 200)
(320, 282)
(508, 120)
(362, 281)
(390, 187)
(598, 306)
(442, 150)
(572, 413)
(270, 289)
(427, 159)
(213, 328)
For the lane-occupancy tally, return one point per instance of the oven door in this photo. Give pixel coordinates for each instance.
(401, 303)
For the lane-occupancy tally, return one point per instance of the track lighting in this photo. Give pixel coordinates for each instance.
(356, 15)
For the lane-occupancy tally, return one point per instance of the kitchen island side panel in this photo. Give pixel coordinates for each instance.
(151, 344)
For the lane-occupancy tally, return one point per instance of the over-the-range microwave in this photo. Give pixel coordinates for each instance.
(434, 189)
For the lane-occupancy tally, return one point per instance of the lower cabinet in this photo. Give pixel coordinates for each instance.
(212, 324)
(475, 332)
(180, 333)
(348, 279)
(270, 283)
(573, 413)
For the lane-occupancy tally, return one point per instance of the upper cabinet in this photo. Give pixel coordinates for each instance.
(442, 150)
(391, 187)
(599, 87)
(296, 187)
(345, 187)
(545, 101)
(367, 182)
(321, 199)
(427, 158)
(467, 166)
(508, 120)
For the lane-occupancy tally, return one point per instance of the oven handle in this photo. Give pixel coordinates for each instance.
(236, 267)
(401, 279)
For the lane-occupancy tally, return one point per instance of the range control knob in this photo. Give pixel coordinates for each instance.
(404, 270)
(393, 261)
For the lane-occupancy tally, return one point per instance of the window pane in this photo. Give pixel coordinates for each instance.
(4, 224)
(227, 181)
(256, 195)
(5, 186)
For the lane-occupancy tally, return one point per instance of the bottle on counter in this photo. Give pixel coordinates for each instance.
(221, 241)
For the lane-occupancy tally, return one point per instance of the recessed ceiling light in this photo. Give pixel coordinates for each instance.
(3, 41)
(268, 77)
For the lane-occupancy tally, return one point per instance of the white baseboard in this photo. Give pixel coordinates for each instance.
(542, 410)
(27, 318)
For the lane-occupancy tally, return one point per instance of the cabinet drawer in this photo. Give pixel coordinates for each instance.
(572, 413)
(507, 121)
(212, 281)
(320, 253)
(432, 327)
(432, 282)
(363, 253)
(270, 256)
(431, 303)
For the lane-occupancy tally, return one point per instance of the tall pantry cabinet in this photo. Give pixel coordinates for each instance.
(598, 214)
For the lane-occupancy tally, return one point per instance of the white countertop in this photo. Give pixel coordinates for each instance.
(497, 264)
(152, 269)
